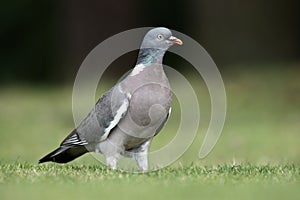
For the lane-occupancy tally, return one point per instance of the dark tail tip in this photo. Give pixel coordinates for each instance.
(64, 154)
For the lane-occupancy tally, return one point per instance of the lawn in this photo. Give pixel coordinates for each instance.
(31, 181)
(257, 155)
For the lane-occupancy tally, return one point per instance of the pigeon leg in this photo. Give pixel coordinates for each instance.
(142, 161)
(111, 153)
(140, 154)
(111, 161)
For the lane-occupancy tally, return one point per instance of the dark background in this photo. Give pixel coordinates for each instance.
(46, 41)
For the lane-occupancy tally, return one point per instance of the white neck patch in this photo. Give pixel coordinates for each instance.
(137, 69)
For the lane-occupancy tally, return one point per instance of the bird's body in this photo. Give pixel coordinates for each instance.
(127, 117)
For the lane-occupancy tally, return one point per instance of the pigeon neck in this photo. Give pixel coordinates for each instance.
(149, 56)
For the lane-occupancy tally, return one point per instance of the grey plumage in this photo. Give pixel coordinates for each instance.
(127, 117)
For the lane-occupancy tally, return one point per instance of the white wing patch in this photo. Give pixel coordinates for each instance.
(120, 112)
(137, 69)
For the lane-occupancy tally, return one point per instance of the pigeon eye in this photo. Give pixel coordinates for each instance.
(160, 37)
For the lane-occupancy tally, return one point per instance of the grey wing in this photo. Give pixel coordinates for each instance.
(105, 115)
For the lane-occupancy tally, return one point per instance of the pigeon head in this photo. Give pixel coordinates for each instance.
(160, 38)
(156, 42)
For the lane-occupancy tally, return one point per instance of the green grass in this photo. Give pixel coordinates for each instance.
(23, 180)
(257, 155)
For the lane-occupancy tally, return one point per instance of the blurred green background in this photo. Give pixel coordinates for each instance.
(255, 44)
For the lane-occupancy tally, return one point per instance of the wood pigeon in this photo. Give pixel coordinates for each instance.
(127, 117)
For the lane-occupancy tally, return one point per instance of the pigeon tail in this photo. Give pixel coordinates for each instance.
(64, 154)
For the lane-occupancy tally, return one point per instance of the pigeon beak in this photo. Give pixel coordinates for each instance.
(175, 40)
